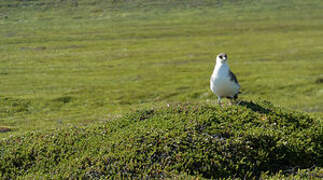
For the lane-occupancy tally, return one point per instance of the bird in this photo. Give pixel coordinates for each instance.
(223, 82)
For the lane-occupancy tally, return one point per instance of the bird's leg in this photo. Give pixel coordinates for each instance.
(237, 102)
(219, 100)
(235, 99)
(230, 101)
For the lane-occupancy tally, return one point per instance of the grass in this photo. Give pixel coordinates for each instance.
(82, 63)
(252, 140)
(72, 70)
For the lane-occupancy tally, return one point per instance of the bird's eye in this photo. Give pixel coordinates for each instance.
(220, 57)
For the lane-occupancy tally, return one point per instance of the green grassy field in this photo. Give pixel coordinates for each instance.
(86, 61)
(69, 63)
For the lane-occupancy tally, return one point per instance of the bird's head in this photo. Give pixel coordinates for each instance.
(222, 58)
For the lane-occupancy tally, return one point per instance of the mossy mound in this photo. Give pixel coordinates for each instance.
(187, 140)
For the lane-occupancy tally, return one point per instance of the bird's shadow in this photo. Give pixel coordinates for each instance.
(255, 107)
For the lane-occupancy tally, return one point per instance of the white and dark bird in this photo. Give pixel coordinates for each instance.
(223, 82)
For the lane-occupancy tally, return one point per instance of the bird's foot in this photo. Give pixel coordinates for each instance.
(220, 104)
(238, 102)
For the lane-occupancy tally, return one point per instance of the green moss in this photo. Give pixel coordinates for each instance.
(198, 140)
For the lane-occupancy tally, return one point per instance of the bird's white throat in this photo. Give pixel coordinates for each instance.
(221, 68)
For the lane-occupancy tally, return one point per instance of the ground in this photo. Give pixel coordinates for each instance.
(67, 64)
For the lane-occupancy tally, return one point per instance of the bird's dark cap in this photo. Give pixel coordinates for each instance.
(222, 55)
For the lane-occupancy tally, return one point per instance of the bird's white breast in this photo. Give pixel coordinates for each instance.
(221, 84)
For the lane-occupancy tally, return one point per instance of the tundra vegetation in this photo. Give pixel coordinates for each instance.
(120, 88)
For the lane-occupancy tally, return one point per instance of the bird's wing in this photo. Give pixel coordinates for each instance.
(233, 77)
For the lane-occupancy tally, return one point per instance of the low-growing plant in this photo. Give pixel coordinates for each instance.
(250, 140)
